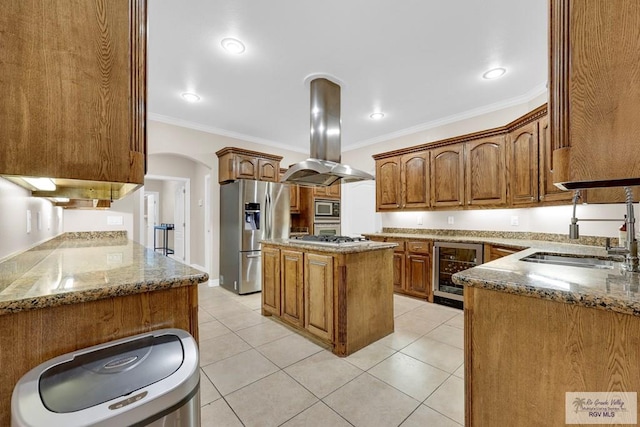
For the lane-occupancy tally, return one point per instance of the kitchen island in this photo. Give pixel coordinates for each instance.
(341, 295)
(542, 340)
(83, 289)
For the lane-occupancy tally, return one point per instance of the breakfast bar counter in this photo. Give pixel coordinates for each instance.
(83, 289)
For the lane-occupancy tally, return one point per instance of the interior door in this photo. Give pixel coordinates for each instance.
(179, 223)
(151, 217)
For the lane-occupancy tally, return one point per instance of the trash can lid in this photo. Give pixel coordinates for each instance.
(107, 373)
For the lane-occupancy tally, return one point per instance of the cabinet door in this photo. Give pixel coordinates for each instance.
(594, 92)
(485, 173)
(398, 271)
(246, 167)
(447, 176)
(318, 301)
(73, 89)
(268, 170)
(329, 192)
(292, 286)
(270, 280)
(548, 191)
(388, 189)
(414, 178)
(294, 198)
(333, 191)
(522, 151)
(418, 280)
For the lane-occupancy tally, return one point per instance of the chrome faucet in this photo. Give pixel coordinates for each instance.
(630, 248)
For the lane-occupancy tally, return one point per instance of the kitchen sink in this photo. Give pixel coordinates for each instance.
(569, 260)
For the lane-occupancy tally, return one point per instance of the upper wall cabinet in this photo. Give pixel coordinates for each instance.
(237, 163)
(328, 192)
(594, 96)
(485, 174)
(403, 182)
(548, 193)
(523, 153)
(447, 176)
(73, 94)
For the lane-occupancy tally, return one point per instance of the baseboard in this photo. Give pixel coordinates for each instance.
(214, 282)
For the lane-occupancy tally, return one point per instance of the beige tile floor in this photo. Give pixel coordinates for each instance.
(257, 372)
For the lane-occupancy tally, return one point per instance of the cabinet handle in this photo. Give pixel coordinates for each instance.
(532, 198)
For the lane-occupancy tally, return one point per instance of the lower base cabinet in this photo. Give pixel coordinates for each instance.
(342, 299)
(318, 288)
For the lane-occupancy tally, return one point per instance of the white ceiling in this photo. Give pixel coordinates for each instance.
(418, 61)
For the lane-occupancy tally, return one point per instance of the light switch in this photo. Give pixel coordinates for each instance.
(515, 220)
(115, 220)
(419, 219)
(450, 220)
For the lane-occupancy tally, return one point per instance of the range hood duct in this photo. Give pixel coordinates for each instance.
(323, 168)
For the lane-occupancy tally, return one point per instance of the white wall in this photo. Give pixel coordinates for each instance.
(98, 219)
(14, 203)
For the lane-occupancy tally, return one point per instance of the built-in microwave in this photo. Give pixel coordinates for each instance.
(327, 209)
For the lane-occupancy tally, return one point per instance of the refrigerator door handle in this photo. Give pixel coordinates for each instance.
(267, 214)
(253, 256)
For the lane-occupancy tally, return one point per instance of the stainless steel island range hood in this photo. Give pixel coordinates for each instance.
(323, 168)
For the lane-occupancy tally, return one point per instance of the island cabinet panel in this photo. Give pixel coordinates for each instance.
(549, 193)
(517, 371)
(318, 287)
(73, 84)
(388, 185)
(522, 165)
(398, 271)
(271, 281)
(414, 179)
(594, 92)
(32, 337)
(447, 176)
(347, 298)
(292, 286)
(485, 172)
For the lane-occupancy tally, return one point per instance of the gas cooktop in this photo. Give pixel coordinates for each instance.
(332, 240)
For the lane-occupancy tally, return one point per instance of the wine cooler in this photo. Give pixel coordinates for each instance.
(448, 259)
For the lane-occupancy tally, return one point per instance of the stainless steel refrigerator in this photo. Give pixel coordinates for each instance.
(250, 211)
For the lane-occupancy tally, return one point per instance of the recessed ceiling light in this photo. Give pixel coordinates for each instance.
(376, 116)
(232, 45)
(494, 73)
(190, 97)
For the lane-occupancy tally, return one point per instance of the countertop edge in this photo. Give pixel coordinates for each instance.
(365, 247)
(88, 295)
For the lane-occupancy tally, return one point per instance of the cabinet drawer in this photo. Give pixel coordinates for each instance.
(497, 252)
(419, 247)
(401, 244)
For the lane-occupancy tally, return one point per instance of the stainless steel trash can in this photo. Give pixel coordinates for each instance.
(151, 379)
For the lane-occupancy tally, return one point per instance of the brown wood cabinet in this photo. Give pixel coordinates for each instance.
(549, 193)
(494, 252)
(292, 286)
(294, 195)
(388, 186)
(237, 163)
(594, 92)
(404, 182)
(271, 293)
(411, 266)
(341, 299)
(541, 349)
(522, 165)
(485, 172)
(318, 288)
(73, 102)
(447, 176)
(328, 192)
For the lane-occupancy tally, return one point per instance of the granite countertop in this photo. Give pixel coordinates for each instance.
(335, 249)
(81, 267)
(607, 289)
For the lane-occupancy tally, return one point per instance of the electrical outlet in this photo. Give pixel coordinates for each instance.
(115, 220)
(450, 220)
(515, 220)
(28, 221)
(419, 220)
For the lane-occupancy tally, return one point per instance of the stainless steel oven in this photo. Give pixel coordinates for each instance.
(326, 210)
(329, 228)
(448, 259)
